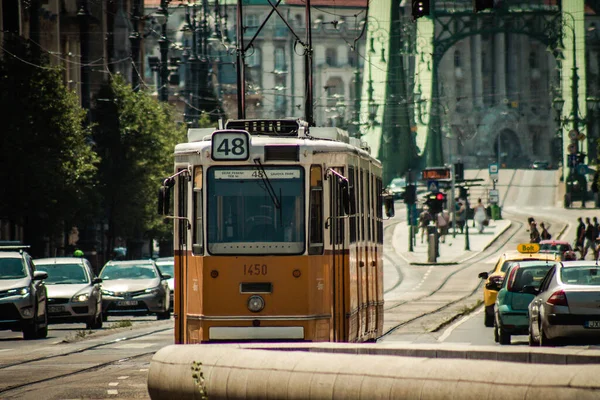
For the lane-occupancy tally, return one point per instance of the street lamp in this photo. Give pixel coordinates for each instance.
(162, 16)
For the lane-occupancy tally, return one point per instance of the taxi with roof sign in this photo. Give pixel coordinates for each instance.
(494, 278)
(511, 315)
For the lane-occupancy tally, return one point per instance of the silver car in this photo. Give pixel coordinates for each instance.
(23, 302)
(567, 304)
(135, 288)
(167, 266)
(73, 291)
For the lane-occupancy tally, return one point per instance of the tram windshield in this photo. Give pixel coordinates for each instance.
(245, 218)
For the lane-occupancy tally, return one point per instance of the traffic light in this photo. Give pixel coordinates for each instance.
(420, 8)
(410, 194)
(479, 5)
(435, 202)
(459, 171)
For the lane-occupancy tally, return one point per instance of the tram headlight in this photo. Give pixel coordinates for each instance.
(256, 303)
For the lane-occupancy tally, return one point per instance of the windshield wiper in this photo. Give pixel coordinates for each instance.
(268, 185)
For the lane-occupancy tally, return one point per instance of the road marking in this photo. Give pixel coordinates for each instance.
(452, 327)
(144, 370)
(123, 377)
(113, 384)
(112, 391)
(491, 260)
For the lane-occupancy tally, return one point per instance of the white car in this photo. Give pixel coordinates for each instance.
(74, 293)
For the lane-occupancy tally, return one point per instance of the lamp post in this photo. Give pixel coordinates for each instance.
(574, 120)
(162, 16)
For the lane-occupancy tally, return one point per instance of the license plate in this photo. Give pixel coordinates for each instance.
(592, 324)
(56, 309)
(127, 303)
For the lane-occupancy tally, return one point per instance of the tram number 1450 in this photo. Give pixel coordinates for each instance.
(255, 269)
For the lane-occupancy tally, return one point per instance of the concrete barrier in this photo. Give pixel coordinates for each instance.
(231, 372)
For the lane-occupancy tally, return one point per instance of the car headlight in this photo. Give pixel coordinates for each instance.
(78, 298)
(256, 303)
(24, 291)
(155, 290)
(108, 292)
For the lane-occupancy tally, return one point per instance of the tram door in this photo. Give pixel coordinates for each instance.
(337, 187)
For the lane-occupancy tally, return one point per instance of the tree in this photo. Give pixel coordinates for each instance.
(47, 162)
(135, 137)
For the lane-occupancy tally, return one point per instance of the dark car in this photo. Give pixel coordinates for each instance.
(23, 296)
(397, 187)
(540, 165)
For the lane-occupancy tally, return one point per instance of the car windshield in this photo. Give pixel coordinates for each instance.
(553, 247)
(581, 275)
(128, 271)
(250, 214)
(12, 268)
(398, 182)
(166, 269)
(64, 273)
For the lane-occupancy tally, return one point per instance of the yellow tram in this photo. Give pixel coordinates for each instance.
(278, 234)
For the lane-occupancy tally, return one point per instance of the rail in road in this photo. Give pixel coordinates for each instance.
(75, 358)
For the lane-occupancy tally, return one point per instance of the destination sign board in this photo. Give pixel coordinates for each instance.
(436, 173)
(257, 174)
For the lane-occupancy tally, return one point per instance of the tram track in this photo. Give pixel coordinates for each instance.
(506, 238)
(494, 248)
(117, 359)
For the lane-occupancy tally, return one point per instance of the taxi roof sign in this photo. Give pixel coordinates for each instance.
(528, 248)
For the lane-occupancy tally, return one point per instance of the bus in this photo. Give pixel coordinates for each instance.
(278, 233)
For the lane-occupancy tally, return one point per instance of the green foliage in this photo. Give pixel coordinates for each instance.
(47, 162)
(199, 381)
(136, 137)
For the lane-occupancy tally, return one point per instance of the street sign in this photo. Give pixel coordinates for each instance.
(433, 186)
(582, 169)
(581, 136)
(494, 168)
(494, 196)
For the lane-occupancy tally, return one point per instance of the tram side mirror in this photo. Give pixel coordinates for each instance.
(388, 205)
(164, 200)
(346, 199)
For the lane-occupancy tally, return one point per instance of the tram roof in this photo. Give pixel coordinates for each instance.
(282, 131)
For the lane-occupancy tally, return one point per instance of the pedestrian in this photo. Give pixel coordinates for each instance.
(530, 220)
(424, 220)
(596, 239)
(545, 235)
(534, 233)
(442, 222)
(590, 240)
(480, 215)
(579, 236)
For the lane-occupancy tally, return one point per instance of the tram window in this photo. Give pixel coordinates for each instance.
(182, 208)
(198, 233)
(362, 205)
(369, 216)
(351, 182)
(336, 207)
(249, 214)
(315, 245)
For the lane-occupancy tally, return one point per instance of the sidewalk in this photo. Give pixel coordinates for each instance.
(451, 252)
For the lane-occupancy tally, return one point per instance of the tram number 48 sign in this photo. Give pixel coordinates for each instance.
(230, 145)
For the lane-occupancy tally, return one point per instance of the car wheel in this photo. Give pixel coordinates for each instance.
(532, 341)
(163, 315)
(496, 335)
(104, 317)
(544, 341)
(488, 318)
(35, 329)
(503, 336)
(42, 332)
(567, 201)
